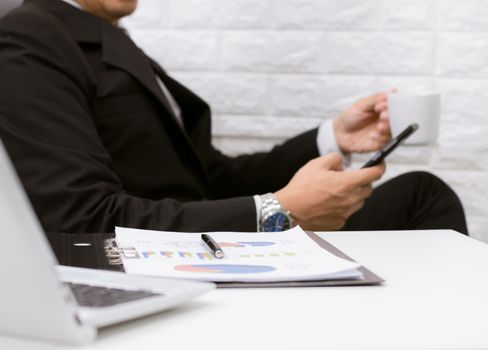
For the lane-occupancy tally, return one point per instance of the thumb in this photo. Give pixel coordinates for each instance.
(332, 161)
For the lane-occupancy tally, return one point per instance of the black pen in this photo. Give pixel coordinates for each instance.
(214, 246)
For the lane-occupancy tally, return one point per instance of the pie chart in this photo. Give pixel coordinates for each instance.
(209, 268)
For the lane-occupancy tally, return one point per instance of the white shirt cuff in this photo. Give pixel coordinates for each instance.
(327, 143)
(257, 202)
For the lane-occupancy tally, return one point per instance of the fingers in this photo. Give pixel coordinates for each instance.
(382, 127)
(332, 161)
(377, 102)
(379, 98)
(359, 195)
(353, 209)
(354, 202)
(381, 106)
(369, 103)
(367, 176)
(365, 191)
(381, 133)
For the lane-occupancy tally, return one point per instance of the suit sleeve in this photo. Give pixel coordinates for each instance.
(261, 172)
(46, 125)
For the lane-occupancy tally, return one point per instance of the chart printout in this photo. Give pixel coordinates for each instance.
(248, 257)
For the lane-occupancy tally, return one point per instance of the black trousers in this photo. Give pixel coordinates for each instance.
(413, 201)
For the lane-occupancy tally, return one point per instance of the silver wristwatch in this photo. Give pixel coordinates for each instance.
(272, 216)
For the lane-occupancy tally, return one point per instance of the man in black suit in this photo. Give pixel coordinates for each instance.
(102, 136)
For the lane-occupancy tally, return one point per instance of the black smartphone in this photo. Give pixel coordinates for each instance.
(390, 147)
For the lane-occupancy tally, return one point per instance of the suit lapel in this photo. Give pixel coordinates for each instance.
(118, 49)
(121, 52)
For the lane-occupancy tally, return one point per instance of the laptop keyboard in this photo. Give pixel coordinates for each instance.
(97, 296)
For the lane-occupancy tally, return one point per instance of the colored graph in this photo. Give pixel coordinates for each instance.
(185, 254)
(240, 269)
(205, 256)
(182, 255)
(148, 254)
(167, 254)
(245, 244)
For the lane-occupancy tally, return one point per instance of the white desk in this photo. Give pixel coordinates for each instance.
(435, 297)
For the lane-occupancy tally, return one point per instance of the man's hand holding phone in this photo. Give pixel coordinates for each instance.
(321, 196)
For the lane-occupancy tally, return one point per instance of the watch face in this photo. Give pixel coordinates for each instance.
(277, 222)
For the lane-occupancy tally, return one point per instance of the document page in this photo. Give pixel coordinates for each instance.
(248, 257)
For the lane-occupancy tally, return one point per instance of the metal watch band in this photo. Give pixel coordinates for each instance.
(269, 206)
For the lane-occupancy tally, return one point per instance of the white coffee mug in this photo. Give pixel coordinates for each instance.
(421, 108)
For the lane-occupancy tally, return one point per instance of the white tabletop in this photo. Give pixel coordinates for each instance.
(435, 297)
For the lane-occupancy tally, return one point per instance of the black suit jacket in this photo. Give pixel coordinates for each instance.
(94, 140)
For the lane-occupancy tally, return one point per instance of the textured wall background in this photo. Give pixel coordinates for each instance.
(273, 68)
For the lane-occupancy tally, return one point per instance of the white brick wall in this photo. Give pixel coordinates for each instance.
(273, 68)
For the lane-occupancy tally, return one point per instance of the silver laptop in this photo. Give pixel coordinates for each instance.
(40, 299)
